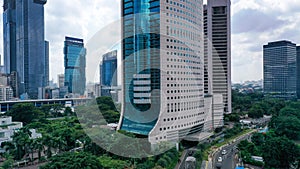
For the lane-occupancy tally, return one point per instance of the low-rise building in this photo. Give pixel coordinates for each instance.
(8, 128)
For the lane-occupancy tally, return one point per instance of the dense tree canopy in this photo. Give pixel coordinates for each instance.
(279, 152)
(79, 160)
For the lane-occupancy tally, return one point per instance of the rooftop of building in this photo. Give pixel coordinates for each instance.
(279, 43)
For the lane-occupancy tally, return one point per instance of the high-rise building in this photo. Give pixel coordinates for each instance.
(75, 65)
(46, 63)
(61, 80)
(298, 71)
(109, 76)
(9, 36)
(280, 71)
(24, 44)
(108, 72)
(217, 50)
(162, 53)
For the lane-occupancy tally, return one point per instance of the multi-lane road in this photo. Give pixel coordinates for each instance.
(229, 160)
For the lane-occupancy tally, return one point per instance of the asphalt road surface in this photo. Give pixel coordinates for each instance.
(229, 159)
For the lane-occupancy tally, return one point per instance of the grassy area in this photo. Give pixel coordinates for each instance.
(226, 141)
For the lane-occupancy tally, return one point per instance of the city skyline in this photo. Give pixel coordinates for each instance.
(274, 20)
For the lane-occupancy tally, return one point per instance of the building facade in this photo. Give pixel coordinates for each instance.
(46, 64)
(108, 72)
(75, 65)
(24, 44)
(61, 80)
(298, 71)
(217, 50)
(280, 69)
(162, 57)
(9, 36)
(6, 93)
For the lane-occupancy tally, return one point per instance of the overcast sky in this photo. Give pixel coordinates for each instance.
(254, 23)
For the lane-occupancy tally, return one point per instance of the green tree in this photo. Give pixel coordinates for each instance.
(8, 163)
(68, 160)
(25, 112)
(21, 139)
(288, 126)
(289, 111)
(256, 111)
(258, 139)
(109, 163)
(279, 152)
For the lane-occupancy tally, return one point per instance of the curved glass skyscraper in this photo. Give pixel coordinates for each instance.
(162, 52)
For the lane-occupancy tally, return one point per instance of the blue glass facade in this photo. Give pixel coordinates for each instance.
(25, 44)
(75, 65)
(280, 71)
(141, 65)
(298, 71)
(46, 63)
(109, 69)
(9, 36)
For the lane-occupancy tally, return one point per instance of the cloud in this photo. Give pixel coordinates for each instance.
(254, 23)
(76, 18)
(252, 20)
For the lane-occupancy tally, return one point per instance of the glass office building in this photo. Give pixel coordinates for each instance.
(75, 65)
(280, 69)
(162, 68)
(298, 71)
(24, 44)
(109, 76)
(108, 72)
(9, 36)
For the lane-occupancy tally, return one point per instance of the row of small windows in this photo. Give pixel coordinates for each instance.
(183, 117)
(183, 73)
(181, 17)
(185, 79)
(181, 5)
(184, 106)
(182, 85)
(182, 125)
(182, 60)
(182, 33)
(188, 14)
(180, 48)
(184, 91)
(183, 97)
(184, 67)
(186, 25)
(186, 43)
(183, 55)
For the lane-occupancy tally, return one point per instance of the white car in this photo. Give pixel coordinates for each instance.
(224, 152)
(220, 159)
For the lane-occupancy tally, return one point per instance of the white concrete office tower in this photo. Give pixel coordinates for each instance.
(217, 50)
(162, 52)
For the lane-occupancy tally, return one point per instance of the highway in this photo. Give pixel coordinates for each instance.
(230, 158)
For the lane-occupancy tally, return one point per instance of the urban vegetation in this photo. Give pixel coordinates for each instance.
(65, 144)
(277, 146)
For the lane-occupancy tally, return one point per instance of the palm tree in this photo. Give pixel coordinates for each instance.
(21, 139)
(38, 145)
